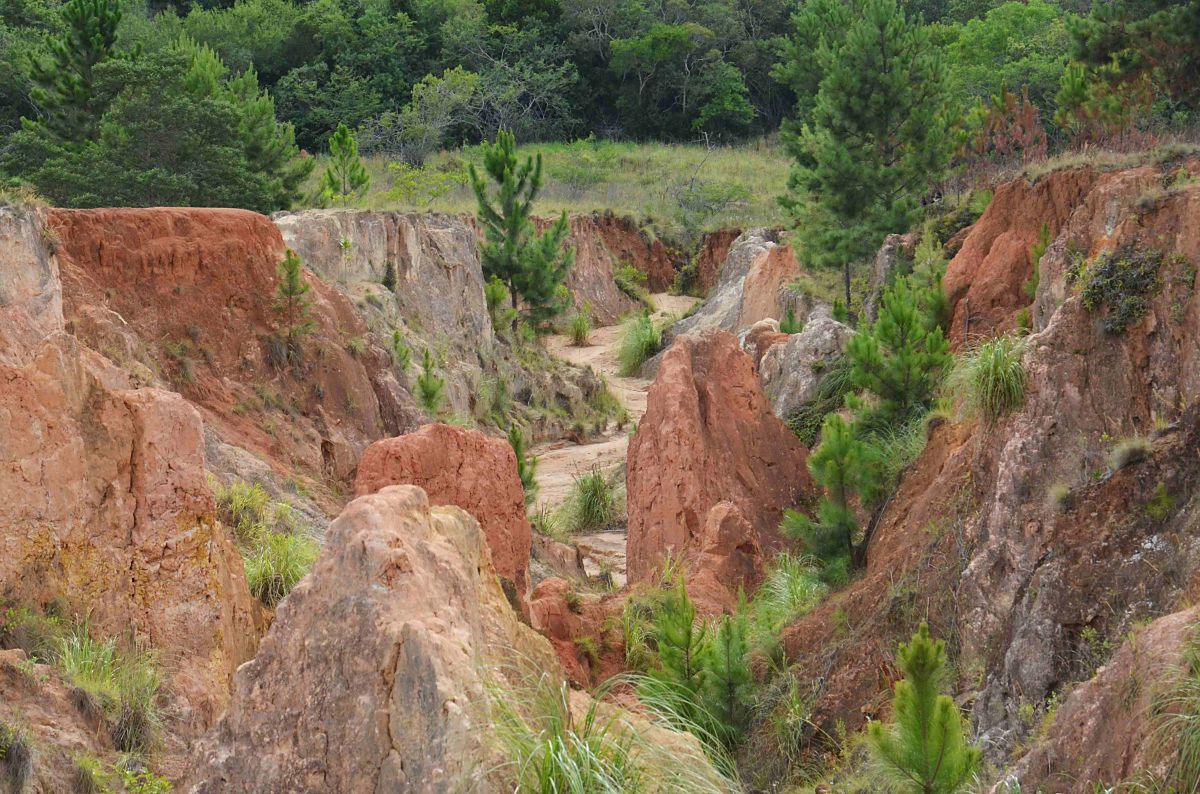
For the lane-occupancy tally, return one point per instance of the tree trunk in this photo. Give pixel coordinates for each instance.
(846, 275)
(512, 294)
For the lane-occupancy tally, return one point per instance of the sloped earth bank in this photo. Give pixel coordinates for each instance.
(560, 462)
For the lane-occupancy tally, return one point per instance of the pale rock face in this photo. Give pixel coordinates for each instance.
(792, 370)
(708, 436)
(371, 677)
(30, 290)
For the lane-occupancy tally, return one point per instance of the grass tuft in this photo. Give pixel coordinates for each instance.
(277, 564)
(640, 340)
(579, 328)
(992, 377)
(1128, 451)
(594, 504)
(16, 758)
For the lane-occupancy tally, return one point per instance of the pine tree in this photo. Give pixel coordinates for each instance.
(532, 266)
(842, 466)
(874, 135)
(727, 678)
(526, 466)
(430, 387)
(676, 685)
(899, 358)
(924, 750)
(346, 177)
(293, 304)
(63, 84)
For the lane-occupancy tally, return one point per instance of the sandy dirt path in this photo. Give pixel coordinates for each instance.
(560, 461)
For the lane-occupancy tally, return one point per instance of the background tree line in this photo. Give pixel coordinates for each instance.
(412, 76)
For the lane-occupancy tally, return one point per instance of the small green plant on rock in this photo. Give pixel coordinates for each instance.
(632, 282)
(278, 562)
(526, 464)
(293, 305)
(1128, 451)
(16, 758)
(430, 387)
(1161, 503)
(1124, 282)
(790, 325)
(924, 750)
(401, 353)
(992, 377)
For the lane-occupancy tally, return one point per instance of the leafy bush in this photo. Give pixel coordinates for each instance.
(430, 387)
(124, 685)
(632, 282)
(1128, 451)
(498, 299)
(16, 758)
(992, 377)
(277, 564)
(640, 340)
(1123, 281)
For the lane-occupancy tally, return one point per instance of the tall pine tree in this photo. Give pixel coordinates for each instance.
(874, 135)
(293, 305)
(63, 84)
(533, 266)
(925, 749)
(346, 177)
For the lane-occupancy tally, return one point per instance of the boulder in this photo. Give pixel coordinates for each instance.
(30, 290)
(761, 337)
(463, 467)
(886, 260)
(792, 371)
(105, 507)
(708, 436)
(372, 677)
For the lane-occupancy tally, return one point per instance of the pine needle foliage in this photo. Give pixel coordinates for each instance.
(526, 464)
(924, 750)
(430, 386)
(532, 266)
(790, 325)
(293, 305)
(727, 681)
(346, 178)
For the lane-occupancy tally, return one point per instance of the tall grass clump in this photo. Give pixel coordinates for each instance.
(242, 506)
(277, 564)
(123, 685)
(992, 377)
(549, 747)
(16, 758)
(791, 588)
(1175, 739)
(579, 327)
(594, 503)
(1128, 451)
(640, 340)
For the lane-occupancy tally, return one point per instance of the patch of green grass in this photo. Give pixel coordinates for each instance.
(36, 634)
(276, 564)
(991, 377)
(632, 282)
(791, 588)
(579, 327)
(789, 324)
(1161, 503)
(242, 506)
(124, 685)
(647, 181)
(640, 339)
(831, 395)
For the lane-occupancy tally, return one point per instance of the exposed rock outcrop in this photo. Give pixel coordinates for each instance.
(708, 436)
(105, 508)
(792, 370)
(761, 337)
(752, 286)
(195, 288)
(30, 291)
(1018, 536)
(730, 561)
(624, 243)
(714, 250)
(887, 258)
(463, 467)
(386, 641)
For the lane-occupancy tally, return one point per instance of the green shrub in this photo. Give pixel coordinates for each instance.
(242, 507)
(526, 465)
(593, 504)
(37, 635)
(430, 388)
(89, 776)
(992, 377)
(1128, 451)
(124, 685)
(790, 324)
(1123, 281)
(632, 282)
(831, 395)
(1059, 496)
(277, 564)
(356, 346)
(401, 353)
(1161, 503)
(640, 340)
(579, 327)
(16, 758)
(493, 403)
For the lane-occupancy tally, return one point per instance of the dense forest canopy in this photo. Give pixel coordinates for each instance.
(247, 85)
